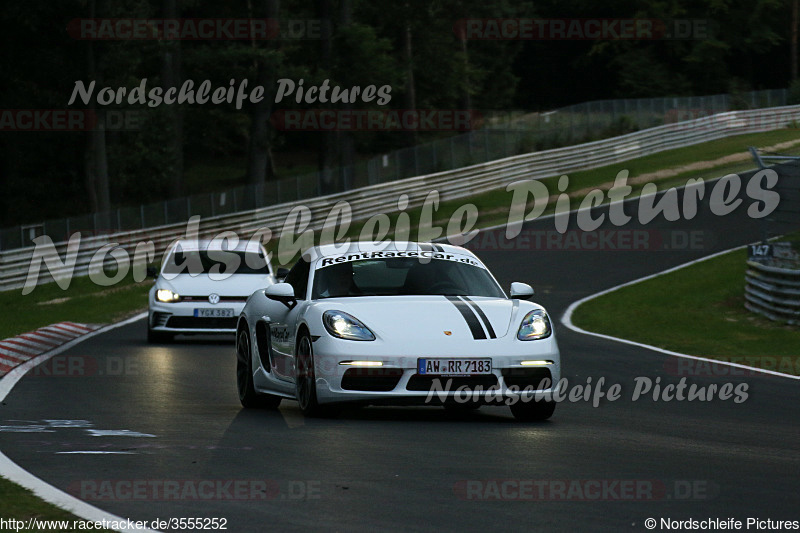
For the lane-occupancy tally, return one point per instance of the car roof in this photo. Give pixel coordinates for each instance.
(188, 245)
(328, 250)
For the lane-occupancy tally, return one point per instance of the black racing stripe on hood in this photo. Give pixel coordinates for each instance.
(482, 316)
(469, 317)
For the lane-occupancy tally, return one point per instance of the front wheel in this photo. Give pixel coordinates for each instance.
(248, 395)
(533, 411)
(306, 380)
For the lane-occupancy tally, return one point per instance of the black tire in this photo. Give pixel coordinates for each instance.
(533, 411)
(158, 337)
(306, 381)
(248, 395)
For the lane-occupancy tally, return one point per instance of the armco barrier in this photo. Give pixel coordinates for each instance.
(773, 292)
(460, 183)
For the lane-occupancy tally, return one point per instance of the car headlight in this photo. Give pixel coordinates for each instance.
(344, 326)
(535, 325)
(166, 295)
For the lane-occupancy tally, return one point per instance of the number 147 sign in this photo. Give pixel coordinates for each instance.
(759, 251)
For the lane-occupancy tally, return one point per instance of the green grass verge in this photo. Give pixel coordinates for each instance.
(697, 310)
(82, 302)
(792, 238)
(680, 157)
(22, 504)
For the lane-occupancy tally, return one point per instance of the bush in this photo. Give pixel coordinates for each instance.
(738, 90)
(794, 93)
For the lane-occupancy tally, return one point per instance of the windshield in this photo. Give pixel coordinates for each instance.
(223, 262)
(403, 276)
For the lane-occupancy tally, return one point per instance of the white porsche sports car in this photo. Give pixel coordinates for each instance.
(405, 324)
(202, 287)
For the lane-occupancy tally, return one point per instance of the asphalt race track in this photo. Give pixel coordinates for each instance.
(174, 418)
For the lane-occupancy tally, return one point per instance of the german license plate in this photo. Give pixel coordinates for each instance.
(454, 366)
(223, 312)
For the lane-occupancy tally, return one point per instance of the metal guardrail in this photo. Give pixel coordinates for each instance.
(496, 136)
(368, 201)
(773, 292)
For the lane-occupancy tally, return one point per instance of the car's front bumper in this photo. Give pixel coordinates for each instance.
(397, 379)
(181, 317)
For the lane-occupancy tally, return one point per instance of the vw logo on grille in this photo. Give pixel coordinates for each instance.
(213, 299)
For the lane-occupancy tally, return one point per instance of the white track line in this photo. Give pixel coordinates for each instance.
(95, 452)
(12, 471)
(566, 319)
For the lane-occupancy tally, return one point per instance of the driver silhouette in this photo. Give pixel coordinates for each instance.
(337, 280)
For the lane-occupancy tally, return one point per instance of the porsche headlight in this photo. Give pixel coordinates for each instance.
(344, 326)
(166, 295)
(535, 325)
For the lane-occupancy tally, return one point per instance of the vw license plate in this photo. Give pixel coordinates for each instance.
(224, 312)
(454, 366)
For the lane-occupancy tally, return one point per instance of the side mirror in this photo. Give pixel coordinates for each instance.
(282, 273)
(521, 291)
(280, 292)
(152, 272)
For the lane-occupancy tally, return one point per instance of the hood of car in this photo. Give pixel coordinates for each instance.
(242, 285)
(431, 317)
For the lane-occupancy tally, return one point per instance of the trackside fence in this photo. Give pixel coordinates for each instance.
(383, 198)
(494, 135)
(773, 292)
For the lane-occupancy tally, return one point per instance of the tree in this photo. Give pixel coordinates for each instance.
(171, 77)
(795, 16)
(259, 156)
(96, 162)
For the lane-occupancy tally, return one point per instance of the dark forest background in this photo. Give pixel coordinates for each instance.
(410, 45)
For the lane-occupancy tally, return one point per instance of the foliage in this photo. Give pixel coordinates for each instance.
(742, 45)
(794, 93)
